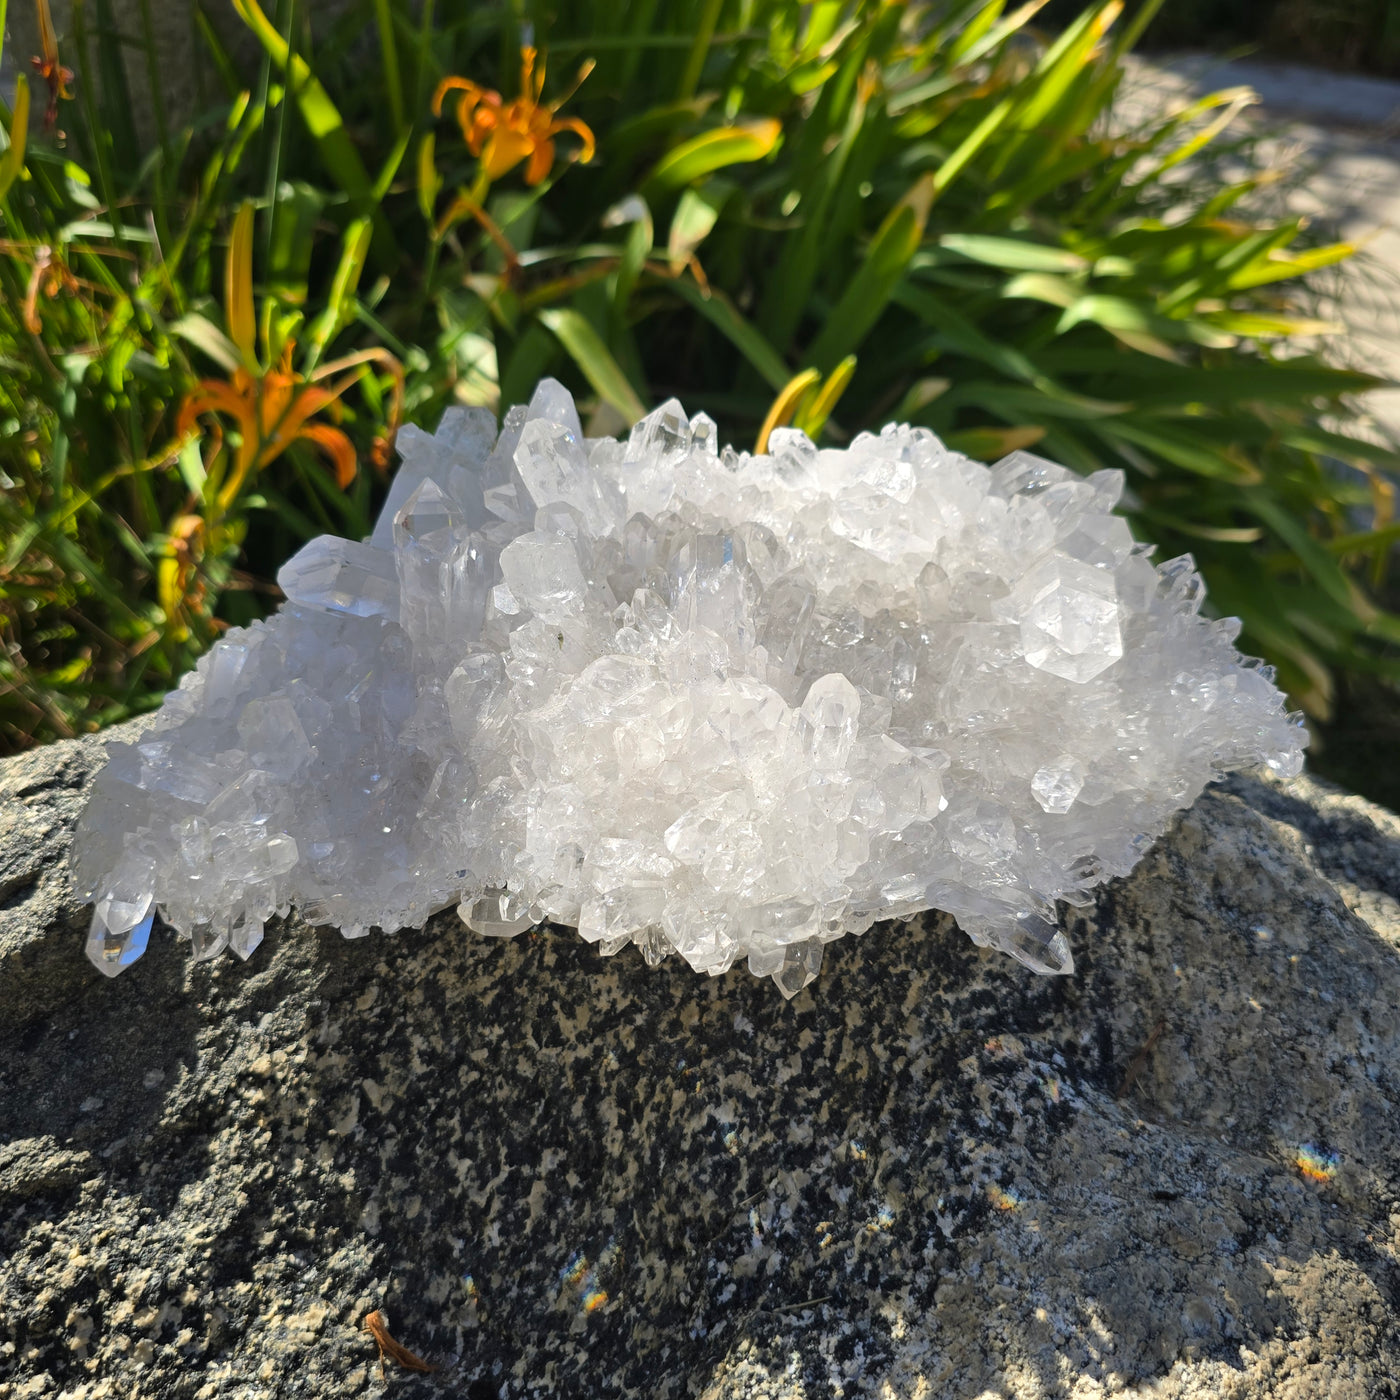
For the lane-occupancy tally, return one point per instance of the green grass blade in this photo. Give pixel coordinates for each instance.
(98, 136)
(294, 213)
(389, 64)
(1062, 64)
(1119, 314)
(988, 444)
(340, 303)
(423, 74)
(726, 318)
(218, 54)
(641, 15)
(640, 133)
(702, 155)
(958, 332)
(13, 160)
(971, 144)
(697, 211)
(115, 104)
(961, 49)
(205, 336)
(1198, 453)
(700, 50)
(870, 289)
(1135, 28)
(825, 188)
(1348, 449)
(812, 416)
(390, 168)
(529, 360)
(1013, 254)
(1321, 566)
(1016, 404)
(1281, 264)
(1249, 323)
(157, 88)
(586, 349)
(636, 248)
(1193, 529)
(1152, 383)
(322, 118)
(1000, 32)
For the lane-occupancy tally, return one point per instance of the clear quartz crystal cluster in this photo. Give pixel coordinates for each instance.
(719, 705)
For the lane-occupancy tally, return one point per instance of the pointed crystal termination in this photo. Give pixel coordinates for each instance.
(497, 914)
(208, 941)
(428, 520)
(342, 576)
(1058, 783)
(113, 952)
(444, 571)
(1069, 618)
(246, 936)
(1039, 944)
(122, 909)
(801, 964)
(698, 702)
(459, 448)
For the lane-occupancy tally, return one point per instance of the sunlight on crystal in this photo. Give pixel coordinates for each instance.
(714, 705)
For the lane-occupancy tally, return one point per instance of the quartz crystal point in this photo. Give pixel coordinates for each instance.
(722, 706)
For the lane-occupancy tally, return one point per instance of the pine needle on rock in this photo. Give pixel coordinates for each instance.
(388, 1347)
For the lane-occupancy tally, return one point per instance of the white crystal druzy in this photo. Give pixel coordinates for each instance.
(712, 704)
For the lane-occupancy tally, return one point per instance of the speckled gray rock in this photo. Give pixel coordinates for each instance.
(932, 1174)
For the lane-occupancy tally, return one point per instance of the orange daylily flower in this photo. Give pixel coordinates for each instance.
(48, 67)
(273, 407)
(49, 276)
(502, 134)
(272, 410)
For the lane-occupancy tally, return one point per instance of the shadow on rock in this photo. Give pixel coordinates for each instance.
(930, 1174)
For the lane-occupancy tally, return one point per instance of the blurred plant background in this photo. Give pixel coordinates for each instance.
(837, 213)
(1351, 34)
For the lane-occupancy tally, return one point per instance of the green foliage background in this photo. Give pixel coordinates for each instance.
(1354, 34)
(936, 189)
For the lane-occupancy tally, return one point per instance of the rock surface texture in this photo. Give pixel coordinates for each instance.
(1176, 1172)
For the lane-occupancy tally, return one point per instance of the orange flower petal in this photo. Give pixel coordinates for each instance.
(531, 83)
(337, 447)
(504, 151)
(468, 88)
(582, 131)
(287, 422)
(482, 124)
(541, 163)
(212, 395)
(30, 314)
(48, 41)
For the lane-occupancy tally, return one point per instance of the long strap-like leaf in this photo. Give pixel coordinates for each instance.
(323, 121)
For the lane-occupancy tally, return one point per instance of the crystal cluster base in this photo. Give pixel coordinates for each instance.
(718, 705)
